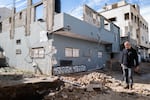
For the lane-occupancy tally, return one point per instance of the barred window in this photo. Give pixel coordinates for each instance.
(71, 52)
(75, 52)
(37, 52)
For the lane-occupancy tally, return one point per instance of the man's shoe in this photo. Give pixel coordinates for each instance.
(126, 87)
(131, 86)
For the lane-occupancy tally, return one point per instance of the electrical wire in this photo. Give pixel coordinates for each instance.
(10, 4)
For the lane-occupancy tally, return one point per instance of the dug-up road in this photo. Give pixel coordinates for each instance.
(103, 85)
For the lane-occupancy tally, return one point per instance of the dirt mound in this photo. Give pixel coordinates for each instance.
(98, 86)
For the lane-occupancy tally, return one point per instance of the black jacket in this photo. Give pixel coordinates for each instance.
(129, 57)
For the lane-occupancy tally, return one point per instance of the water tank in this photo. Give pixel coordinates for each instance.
(58, 6)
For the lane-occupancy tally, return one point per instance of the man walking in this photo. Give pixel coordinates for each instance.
(129, 60)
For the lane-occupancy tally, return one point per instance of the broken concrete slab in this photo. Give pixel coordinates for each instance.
(93, 87)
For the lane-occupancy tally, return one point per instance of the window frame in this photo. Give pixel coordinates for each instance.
(126, 16)
(72, 52)
(36, 11)
(35, 53)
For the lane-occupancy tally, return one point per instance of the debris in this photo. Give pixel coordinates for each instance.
(91, 85)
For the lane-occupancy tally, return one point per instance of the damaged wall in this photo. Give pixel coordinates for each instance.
(36, 48)
(6, 25)
(25, 35)
(4, 13)
(20, 19)
(88, 52)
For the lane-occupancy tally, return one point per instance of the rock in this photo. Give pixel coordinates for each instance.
(70, 89)
(117, 84)
(89, 88)
(65, 96)
(94, 87)
(51, 94)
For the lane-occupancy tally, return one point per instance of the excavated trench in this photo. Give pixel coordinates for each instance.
(29, 91)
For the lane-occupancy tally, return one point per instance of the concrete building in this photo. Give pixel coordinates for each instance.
(57, 42)
(4, 13)
(133, 26)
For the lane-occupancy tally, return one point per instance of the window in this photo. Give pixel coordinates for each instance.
(145, 26)
(18, 51)
(113, 19)
(20, 15)
(132, 16)
(18, 42)
(133, 6)
(39, 12)
(138, 21)
(75, 52)
(135, 19)
(146, 42)
(57, 6)
(37, 52)
(68, 52)
(71, 52)
(1, 27)
(10, 20)
(126, 16)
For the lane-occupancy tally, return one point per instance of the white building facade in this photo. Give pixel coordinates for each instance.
(133, 27)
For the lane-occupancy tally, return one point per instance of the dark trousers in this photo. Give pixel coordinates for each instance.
(127, 75)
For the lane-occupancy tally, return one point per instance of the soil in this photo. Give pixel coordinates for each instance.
(104, 84)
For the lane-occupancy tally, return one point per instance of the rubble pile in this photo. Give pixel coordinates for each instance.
(97, 86)
(92, 77)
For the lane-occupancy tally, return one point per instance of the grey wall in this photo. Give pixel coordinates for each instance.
(91, 61)
(85, 29)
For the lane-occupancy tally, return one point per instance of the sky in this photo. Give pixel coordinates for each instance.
(74, 7)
